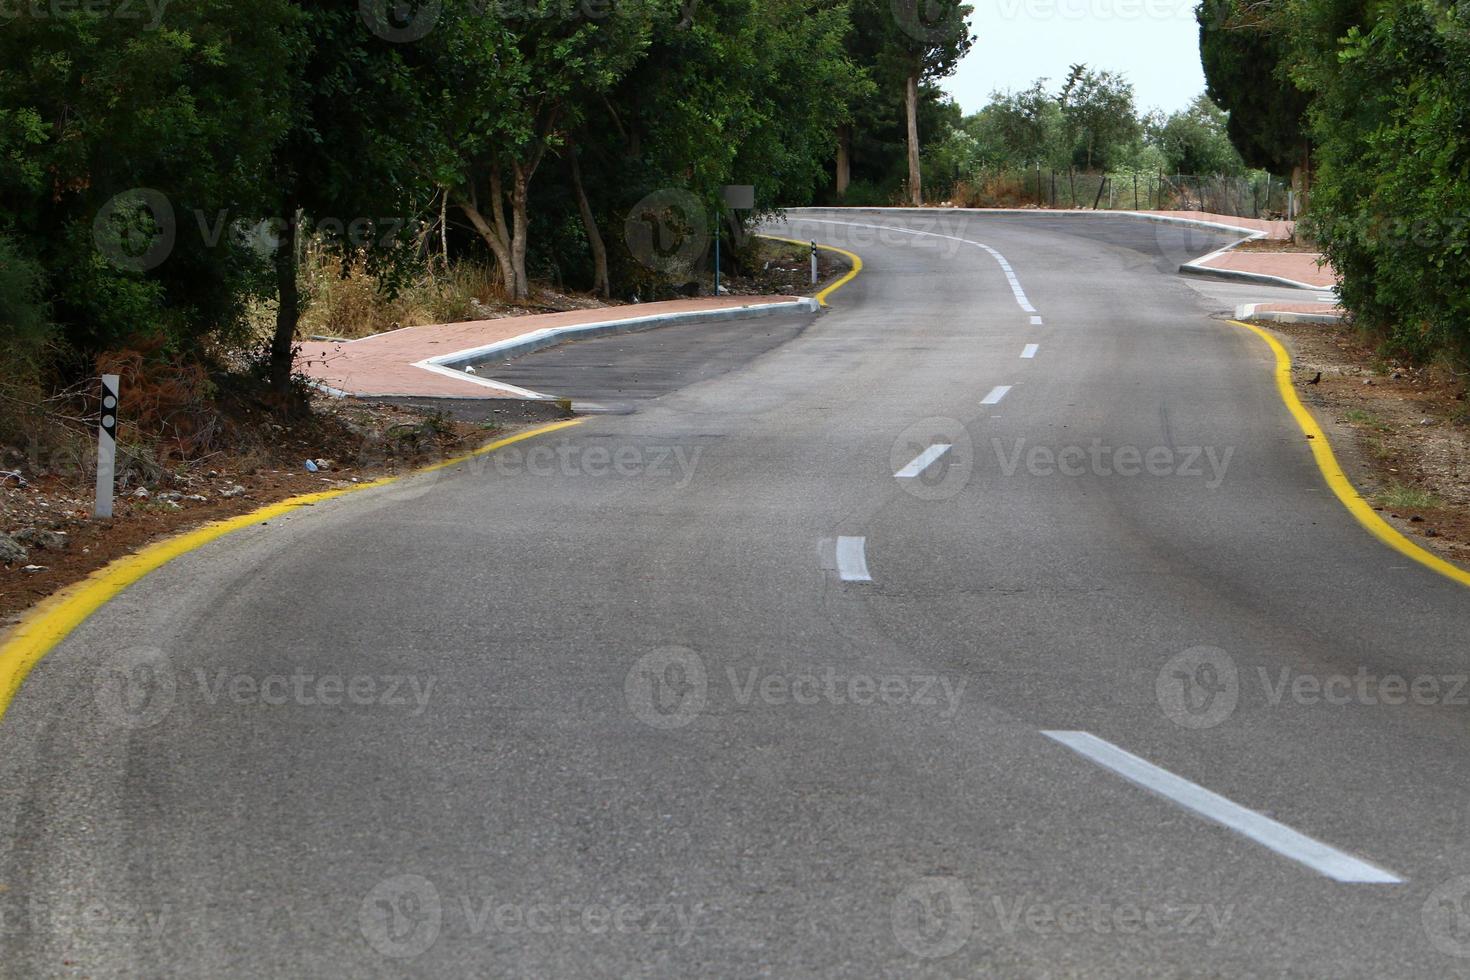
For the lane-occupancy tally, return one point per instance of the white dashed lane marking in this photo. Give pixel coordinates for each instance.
(852, 560)
(923, 461)
(996, 394)
(1321, 858)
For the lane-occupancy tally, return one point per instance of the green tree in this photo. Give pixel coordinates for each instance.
(353, 171)
(1195, 140)
(1246, 51)
(529, 80)
(129, 146)
(909, 43)
(1029, 125)
(25, 322)
(1098, 116)
(1392, 190)
(731, 91)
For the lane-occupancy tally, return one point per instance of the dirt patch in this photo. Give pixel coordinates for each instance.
(48, 516)
(1401, 433)
(1275, 245)
(780, 269)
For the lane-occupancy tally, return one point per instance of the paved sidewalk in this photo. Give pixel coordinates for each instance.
(1275, 230)
(1303, 267)
(386, 364)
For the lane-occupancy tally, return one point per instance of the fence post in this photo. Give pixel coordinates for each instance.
(106, 446)
(1135, 190)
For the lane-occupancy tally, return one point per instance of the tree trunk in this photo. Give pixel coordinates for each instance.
(519, 193)
(1302, 178)
(589, 222)
(444, 228)
(495, 235)
(911, 108)
(288, 312)
(844, 159)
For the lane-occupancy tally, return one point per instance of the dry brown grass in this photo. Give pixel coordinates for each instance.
(352, 305)
(993, 190)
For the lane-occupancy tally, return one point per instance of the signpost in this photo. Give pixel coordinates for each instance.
(106, 446)
(737, 197)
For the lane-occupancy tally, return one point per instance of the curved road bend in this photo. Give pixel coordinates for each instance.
(708, 690)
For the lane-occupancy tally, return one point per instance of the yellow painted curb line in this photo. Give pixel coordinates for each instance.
(857, 264)
(54, 617)
(1336, 479)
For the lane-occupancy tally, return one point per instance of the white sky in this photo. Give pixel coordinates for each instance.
(1154, 43)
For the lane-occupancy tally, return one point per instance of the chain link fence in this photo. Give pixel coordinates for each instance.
(1255, 195)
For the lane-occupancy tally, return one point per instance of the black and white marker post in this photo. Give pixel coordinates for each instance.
(106, 446)
(814, 263)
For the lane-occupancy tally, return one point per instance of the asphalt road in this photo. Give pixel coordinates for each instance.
(707, 690)
(616, 372)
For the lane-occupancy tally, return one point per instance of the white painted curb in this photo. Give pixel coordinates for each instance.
(1164, 219)
(453, 364)
(1248, 312)
(1194, 268)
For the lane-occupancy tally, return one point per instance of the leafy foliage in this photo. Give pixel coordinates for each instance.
(1392, 193)
(1246, 51)
(160, 180)
(1196, 141)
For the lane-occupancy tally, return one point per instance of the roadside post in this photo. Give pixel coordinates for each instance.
(814, 263)
(106, 446)
(736, 197)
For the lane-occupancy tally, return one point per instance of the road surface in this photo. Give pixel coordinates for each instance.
(760, 679)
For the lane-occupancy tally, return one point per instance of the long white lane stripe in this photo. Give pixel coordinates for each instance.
(923, 461)
(1016, 289)
(852, 560)
(1260, 828)
(996, 394)
(1030, 350)
(1015, 284)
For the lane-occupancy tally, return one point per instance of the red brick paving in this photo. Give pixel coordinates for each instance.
(1296, 266)
(1275, 230)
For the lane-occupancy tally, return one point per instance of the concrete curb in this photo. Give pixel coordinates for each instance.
(453, 363)
(1193, 268)
(1163, 219)
(1240, 275)
(1248, 312)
